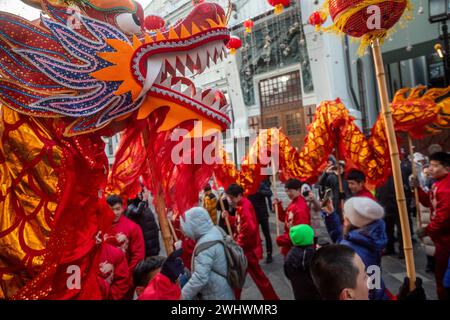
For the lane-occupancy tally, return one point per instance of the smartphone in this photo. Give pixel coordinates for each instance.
(315, 191)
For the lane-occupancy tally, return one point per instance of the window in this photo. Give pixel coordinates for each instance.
(271, 122)
(293, 123)
(281, 89)
(253, 123)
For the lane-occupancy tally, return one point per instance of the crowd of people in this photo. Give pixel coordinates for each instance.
(334, 232)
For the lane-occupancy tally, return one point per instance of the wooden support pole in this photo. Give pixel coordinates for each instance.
(160, 204)
(172, 230)
(160, 208)
(275, 193)
(222, 206)
(395, 161)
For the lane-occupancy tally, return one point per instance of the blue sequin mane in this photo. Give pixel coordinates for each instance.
(90, 101)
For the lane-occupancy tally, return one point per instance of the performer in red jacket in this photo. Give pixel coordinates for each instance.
(246, 234)
(125, 234)
(438, 200)
(356, 183)
(296, 213)
(113, 275)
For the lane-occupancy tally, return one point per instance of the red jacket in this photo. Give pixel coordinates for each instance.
(127, 236)
(438, 200)
(246, 228)
(365, 193)
(296, 213)
(114, 280)
(161, 288)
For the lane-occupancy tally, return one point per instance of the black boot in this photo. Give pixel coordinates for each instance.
(269, 257)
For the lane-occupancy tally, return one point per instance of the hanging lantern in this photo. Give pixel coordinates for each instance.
(154, 23)
(366, 19)
(279, 5)
(233, 44)
(316, 19)
(248, 24)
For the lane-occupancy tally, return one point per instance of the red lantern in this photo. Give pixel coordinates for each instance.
(279, 5)
(154, 23)
(233, 44)
(352, 16)
(317, 19)
(248, 24)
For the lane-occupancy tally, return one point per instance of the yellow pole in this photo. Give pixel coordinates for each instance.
(395, 161)
(275, 193)
(160, 205)
(172, 229)
(222, 206)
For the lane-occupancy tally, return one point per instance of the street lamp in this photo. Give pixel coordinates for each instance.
(439, 12)
(438, 49)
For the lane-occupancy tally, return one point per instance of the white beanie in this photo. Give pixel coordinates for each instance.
(361, 211)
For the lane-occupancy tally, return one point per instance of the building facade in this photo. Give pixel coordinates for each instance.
(285, 67)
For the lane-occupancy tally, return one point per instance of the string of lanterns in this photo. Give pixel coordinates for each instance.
(248, 24)
(233, 44)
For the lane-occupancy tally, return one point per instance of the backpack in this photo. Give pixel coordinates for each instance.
(236, 260)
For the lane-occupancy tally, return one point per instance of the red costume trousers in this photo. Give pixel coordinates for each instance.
(260, 279)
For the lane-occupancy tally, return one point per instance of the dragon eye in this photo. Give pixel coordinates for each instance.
(129, 23)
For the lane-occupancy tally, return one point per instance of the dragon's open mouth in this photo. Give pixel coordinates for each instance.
(163, 68)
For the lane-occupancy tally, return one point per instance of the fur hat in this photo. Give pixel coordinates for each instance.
(361, 211)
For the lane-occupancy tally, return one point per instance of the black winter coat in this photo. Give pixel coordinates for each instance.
(296, 269)
(141, 214)
(258, 200)
(386, 192)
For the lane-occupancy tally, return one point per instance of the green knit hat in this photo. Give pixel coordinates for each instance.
(301, 235)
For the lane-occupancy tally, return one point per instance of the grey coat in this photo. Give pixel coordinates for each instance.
(206, 282)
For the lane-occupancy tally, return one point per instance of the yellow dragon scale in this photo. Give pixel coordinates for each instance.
(27, 181)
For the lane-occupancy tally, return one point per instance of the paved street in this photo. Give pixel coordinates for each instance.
(394, 271)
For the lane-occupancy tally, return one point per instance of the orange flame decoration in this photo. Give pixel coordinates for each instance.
(418, 114)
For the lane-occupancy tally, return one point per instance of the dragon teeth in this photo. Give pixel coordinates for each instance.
(209, 98)
(198, 96)
(203, 58)
(177, 87)
(172, 60)
(167, 83)
(216, 104)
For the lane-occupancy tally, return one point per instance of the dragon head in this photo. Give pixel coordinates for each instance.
(93, 64)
